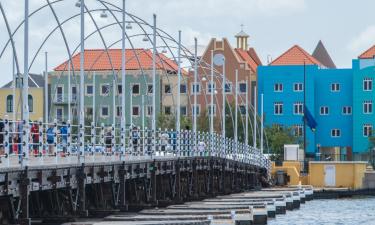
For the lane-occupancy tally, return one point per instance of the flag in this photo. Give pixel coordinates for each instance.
(310, 121)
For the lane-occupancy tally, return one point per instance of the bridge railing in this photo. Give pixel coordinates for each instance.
(59, 143)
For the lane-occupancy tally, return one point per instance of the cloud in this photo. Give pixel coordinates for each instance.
(277, 7)
(363, 41)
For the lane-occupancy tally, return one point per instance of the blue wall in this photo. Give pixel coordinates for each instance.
(318, 93)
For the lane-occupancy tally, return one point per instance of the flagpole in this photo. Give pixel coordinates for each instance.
(304, 106)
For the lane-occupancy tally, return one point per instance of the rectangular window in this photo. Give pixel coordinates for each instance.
(335, 133)
(196, 110)
(167, 89)
(278, 108)
(324, 110)
(119, 89)
(89, 89)
(297, 87)
(243, 109)
(367, 107)
(335, 87)
(104, 112)
(167, 110)
(195, 88)
(149, 88)
(149, 110)
(89, 111)
(135, 89)
(210, 87)
(118, 111)
(278, 87)
(367, 84)
(211, 108)
(183, 89)
(242, 87)
(183, 111)
(298, 130)
(228, 87)
(367, 130)
(298, 108)
(135, 110)
(104, 89)
(347, 110)
(59, 114)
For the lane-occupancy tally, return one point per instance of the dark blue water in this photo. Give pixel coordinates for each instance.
(354, 211)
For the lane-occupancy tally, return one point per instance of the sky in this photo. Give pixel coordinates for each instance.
(346, 27)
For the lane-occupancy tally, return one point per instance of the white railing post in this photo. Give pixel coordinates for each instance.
(6, 143)
(54, 131)
(102, 138)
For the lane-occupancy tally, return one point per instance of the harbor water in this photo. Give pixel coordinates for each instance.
(334, 211)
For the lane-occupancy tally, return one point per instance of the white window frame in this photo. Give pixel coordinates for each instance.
(117, 109)
(101, 111)
(335, 87)
(368, 128)
(239, 89)
(170, 88)
(208, 89)
(192, 88)
(196, 106)
(86, 93)
(298, 130)
(299, 112)
(280, 105)
(139, 88)
(209, 106)
(368, 103)
(369, 84)
(117, 89)
(101, 89)
(147, 112)
(186, 111)
(62, 112)
(230, 87)
(345, 110)
(324, 110)
(335, 133)
(299, 87)
(139, 110)
(278, 87)
(186, 88)
(148, 85)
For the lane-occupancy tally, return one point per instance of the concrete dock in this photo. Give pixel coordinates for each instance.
(254, 208)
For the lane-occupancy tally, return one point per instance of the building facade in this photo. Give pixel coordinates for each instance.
(139, 89)
(12, 105)
(241, 58)
(297, 78)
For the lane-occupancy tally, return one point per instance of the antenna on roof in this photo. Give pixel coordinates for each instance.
(269, 59)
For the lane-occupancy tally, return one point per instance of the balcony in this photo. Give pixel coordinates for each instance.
(62, 99)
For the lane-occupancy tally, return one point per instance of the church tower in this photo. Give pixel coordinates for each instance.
(242, 38)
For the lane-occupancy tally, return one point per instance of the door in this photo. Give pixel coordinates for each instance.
(330, 175)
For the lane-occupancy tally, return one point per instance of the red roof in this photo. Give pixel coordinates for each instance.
(245, 56)
(295, 56)
(368, 54)
(97, 59)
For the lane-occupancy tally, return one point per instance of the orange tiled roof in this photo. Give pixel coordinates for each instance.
(368, 54)
(295, 56)
(97, 59)
(245, 56)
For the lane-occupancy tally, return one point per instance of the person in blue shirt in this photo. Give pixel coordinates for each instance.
(64, 136)
(50, 140)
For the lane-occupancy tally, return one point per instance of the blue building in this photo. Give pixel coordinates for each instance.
(329, 98)
(363, 100)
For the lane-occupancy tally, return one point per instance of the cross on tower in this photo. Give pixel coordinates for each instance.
(242, 27)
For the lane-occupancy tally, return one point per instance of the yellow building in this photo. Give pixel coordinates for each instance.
(35, 99)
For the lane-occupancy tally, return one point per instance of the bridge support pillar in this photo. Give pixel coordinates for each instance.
(24, 218)
(122, 191)
(153, 184)
(81, 182)
(177, 197)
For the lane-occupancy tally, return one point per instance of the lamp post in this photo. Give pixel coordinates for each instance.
(178, 125)
(223, 108)
(25, 91)
(247, 114)
(123, 77)
(212, 96)
(195, 86)
(45, 90)
(262, 123)
(235, 111)
(154, 78)
(81, 148)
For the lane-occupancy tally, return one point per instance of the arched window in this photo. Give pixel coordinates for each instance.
(10, 103)
(31, 103)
